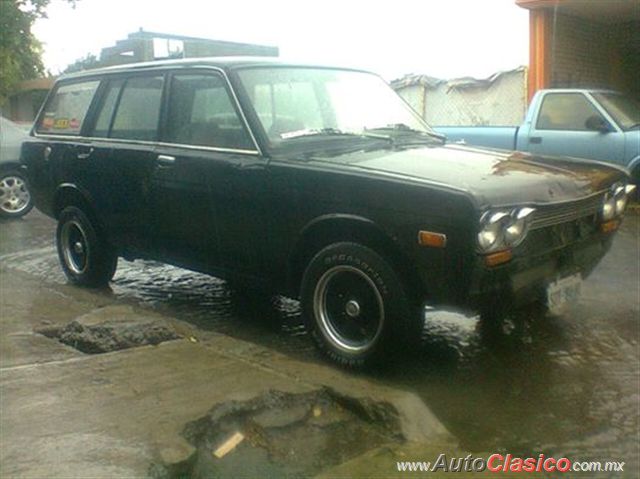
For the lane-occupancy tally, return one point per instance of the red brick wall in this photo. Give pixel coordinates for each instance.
(588, 54)
(580, 53)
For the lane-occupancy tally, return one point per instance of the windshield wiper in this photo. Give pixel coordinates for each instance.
(315, 132)
(331, 132)
(402, 127)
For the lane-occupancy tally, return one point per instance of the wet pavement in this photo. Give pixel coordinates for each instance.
(526, 384)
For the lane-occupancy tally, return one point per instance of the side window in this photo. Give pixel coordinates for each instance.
(201, 113)
(109, 99)
(66, 109)
(565, 111)
(138, 110)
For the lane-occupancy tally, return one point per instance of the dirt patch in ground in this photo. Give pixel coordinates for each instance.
(283, 435)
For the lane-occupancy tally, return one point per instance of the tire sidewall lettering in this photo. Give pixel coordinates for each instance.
(356, 261)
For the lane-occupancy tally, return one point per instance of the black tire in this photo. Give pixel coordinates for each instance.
(635, 179)
(86, 258)
(355, 305)
(15, 198)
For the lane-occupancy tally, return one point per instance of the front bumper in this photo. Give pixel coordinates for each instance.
(525, 278)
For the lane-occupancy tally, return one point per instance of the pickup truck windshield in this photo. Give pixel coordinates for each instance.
(624, 110)
(297, 102)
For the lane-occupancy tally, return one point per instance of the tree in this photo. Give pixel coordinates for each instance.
(20, 50)
(85, 63)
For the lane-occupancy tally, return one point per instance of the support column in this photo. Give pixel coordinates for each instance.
(539, 50)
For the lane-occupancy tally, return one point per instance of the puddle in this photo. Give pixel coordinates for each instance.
(112, 328)
(529, 383)
(283, 435)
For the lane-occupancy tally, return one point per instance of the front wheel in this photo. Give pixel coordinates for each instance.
(15, 199)
(86, 258)
(353, 304)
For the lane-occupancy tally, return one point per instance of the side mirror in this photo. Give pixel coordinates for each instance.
(597, 123)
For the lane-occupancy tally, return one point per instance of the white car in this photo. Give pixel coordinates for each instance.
(15, 199)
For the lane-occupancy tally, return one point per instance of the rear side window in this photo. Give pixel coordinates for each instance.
(565, 111)
(138, 111)
(201, 112)
(66, 109)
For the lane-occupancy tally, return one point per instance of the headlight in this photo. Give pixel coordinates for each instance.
(518, 227)
(608, 208)
(503, 229)
(615, 201)
(620, 195)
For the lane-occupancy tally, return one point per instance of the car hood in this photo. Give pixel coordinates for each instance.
(490, 177)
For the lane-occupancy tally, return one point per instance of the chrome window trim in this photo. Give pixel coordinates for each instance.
(209, 148)
(257, 151)
(150, 143)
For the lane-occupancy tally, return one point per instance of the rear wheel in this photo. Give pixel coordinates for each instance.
(15, 199)
(354, 304)
(86, 258)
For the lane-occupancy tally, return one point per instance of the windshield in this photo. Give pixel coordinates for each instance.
(624, 110)
(295, 102)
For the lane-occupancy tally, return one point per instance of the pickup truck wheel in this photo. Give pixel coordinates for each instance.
(86, 258)
(352, 303)
(15, 199)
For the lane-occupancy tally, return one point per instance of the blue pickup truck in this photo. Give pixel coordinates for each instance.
(594, 124)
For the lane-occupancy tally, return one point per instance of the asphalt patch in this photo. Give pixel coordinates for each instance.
(112, 328)
(283, 435)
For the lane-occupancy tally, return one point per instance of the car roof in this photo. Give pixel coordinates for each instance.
(226, 63)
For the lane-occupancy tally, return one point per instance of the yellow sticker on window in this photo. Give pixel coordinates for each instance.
(61, 123)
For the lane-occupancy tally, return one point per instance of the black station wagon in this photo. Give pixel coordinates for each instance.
(317, 183)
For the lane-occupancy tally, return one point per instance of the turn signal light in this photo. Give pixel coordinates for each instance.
(494, 259)
(434, 240)
(609, 226)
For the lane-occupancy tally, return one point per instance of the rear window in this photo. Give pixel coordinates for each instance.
(66, 109)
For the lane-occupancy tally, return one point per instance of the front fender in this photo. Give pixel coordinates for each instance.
(634, 169)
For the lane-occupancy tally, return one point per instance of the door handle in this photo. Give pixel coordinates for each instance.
(85, 155)
(536, 140)
(166, 160)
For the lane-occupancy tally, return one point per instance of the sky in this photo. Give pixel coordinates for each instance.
(440, 38)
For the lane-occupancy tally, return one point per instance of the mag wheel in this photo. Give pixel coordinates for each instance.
(15, 199)
(86, 258)
(353, 303)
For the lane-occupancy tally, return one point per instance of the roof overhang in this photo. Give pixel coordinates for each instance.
(609, 11)
(35, 84)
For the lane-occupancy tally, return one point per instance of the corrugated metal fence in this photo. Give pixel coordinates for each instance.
(500, 100)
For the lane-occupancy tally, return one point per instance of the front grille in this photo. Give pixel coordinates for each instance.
(550, 215)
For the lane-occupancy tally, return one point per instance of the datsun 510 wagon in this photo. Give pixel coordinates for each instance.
(317, 183)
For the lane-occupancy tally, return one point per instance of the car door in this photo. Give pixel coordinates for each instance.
(562, 128)
(123, 137)
(208, 182)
